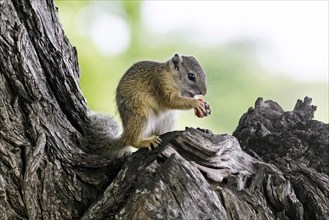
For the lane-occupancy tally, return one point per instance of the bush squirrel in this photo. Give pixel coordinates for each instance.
(147, 96)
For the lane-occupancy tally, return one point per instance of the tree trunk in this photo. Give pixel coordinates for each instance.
(46, 171)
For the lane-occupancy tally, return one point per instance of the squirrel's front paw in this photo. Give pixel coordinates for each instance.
(199, 108)
(203, 112)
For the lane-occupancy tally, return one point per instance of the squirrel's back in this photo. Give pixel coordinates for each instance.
(139, 76)
(137, 86)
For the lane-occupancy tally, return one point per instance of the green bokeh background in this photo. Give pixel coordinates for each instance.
(235, 78)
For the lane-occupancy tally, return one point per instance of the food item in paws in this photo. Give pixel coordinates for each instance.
(206, 107)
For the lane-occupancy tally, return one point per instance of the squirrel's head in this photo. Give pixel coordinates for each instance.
(189, 75)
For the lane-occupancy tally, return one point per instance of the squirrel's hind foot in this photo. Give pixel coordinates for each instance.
(156, 141)
(153, 141)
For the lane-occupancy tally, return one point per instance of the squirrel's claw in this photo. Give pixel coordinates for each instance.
(156, 141)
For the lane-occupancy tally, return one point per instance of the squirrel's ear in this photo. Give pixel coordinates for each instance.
(176, 61)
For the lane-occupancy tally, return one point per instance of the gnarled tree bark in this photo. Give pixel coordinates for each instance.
(47, 172)
(44, 171)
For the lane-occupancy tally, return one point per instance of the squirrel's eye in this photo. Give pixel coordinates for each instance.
(191, 77)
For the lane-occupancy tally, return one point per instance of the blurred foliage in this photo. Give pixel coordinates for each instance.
(235, 79)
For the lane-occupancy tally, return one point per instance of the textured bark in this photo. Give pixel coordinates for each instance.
(48, 172)
(44, 172)
(294, 143)
(197, 175)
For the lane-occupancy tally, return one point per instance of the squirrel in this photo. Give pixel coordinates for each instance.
(147, 96)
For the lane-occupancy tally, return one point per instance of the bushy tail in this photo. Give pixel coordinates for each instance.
(103, 136)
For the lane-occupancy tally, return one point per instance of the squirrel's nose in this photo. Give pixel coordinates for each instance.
(203, 91)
